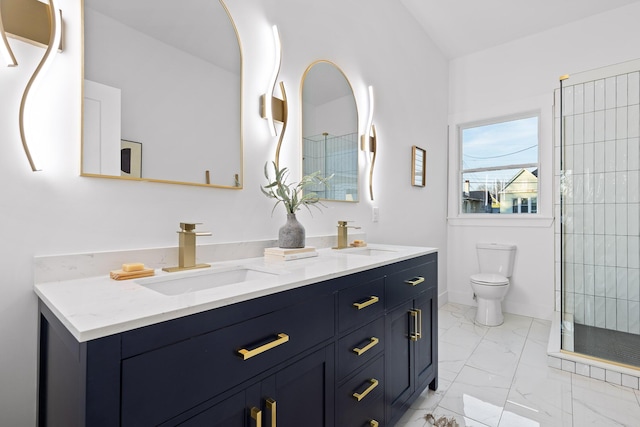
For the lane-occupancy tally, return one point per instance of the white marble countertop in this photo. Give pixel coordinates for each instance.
(94, 307)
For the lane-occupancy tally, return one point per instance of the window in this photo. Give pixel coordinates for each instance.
(500, 166)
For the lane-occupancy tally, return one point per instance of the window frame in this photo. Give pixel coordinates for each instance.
(461, 170)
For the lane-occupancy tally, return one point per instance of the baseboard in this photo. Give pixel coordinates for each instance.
(531, 310)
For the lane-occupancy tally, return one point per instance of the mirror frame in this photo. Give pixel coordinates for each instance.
(240, 178)
(418, 166)
(355, 103)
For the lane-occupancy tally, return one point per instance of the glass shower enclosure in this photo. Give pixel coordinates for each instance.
(597, 156)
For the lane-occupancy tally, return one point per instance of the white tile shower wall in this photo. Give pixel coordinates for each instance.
(601, 224)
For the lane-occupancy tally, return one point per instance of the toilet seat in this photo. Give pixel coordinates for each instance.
(489, 279)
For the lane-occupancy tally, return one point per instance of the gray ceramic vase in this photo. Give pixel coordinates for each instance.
(291, 234)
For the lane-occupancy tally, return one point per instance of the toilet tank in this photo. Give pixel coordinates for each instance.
(496, 258)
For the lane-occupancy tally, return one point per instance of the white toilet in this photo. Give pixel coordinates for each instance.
(492, 283)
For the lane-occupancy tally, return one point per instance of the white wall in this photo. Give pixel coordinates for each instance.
(515, 77)
(56, 211)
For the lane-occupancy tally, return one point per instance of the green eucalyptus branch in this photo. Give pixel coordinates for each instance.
(292, 195)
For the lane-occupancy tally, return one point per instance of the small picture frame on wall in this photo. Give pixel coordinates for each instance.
(130, 159)
(418, 162)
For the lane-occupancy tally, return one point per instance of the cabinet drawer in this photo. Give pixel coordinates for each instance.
(360, 346)
(360, 304)
(165, 382)
(354, 412)
(408, 283)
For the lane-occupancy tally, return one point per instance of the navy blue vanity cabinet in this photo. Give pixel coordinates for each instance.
(203, 366)
(78, 383)
(411, 352)
(354, 350)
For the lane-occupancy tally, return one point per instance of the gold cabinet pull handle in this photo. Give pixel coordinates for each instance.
(361, 351)
(271, 406)
(360, 305)
(415, 281)
(415, 335)
(360, 396)
(246, 354)
(419, 323)
(374, 423)
(256, 414)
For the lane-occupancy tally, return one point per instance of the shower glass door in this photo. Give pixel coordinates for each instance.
(598, 177)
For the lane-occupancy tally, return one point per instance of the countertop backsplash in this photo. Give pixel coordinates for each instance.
(55, 268)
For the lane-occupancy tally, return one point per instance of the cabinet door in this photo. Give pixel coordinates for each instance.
(229, 413)
(399, 359)
(301, 394)
(426, 347)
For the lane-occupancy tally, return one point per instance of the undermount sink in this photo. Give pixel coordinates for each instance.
(184, 283)
(366, 251)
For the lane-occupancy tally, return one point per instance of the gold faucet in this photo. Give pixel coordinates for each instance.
(343, 241)
(187, 247)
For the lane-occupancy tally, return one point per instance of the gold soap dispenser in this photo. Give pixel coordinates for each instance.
(187, 247)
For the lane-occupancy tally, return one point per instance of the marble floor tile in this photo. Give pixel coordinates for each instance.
(597, 403)
(452, 358)
(534, 355)
(539, 331)
(496, 358)
(477, 394)
(428, 401)
(499, 377)
(455, 327)
(540, 395)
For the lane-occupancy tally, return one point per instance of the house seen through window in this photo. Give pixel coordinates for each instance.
(500, 166)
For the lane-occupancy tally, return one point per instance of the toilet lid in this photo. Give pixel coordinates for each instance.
(489, 279)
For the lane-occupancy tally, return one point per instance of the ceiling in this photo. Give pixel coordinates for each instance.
(461, 27)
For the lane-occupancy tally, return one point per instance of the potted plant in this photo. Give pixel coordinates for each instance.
(293, 196)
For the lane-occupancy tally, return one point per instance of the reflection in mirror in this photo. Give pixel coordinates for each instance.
(330, 131)
(166, 75)
(418, 171)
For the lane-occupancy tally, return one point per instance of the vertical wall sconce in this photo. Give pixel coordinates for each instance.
(368, 140)
(39, 24)
(272, 108)
(6, 54)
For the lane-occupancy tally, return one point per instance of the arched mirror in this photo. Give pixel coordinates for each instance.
(330, 131)
(162, 92)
